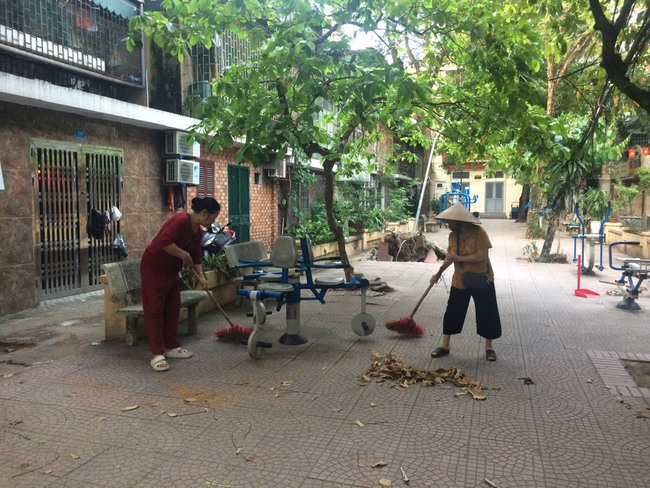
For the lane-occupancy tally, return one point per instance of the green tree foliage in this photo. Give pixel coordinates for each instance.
(517, 82)
(273, 103)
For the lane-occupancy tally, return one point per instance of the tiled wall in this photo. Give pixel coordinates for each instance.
(144, 204)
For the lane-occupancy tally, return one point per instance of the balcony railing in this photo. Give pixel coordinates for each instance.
(83, 36)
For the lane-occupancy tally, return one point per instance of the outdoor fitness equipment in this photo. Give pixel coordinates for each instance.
(635, 271)
(284, 284)
(456, 196)
(583, 292)
(591, 238)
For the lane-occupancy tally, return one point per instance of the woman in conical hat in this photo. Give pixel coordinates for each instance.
(468, 250)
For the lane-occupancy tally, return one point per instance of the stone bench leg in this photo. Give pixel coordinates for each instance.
(192, 319)
(131, 330)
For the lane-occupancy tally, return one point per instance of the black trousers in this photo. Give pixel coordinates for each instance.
(488, 322)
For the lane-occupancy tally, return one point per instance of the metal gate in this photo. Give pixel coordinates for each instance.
(69, 181)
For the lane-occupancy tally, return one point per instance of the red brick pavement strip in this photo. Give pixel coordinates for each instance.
(611, 370)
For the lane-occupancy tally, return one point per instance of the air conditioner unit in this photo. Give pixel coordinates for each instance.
(178, 171)
(176, 143)
(277, 169)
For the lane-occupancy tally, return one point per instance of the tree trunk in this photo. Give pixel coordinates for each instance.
(524, 198)
(550, 233)
(331, 220)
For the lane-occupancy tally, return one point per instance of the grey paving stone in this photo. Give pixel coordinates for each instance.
(289, 418)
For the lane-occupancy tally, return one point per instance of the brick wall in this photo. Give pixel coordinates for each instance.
(263, 195)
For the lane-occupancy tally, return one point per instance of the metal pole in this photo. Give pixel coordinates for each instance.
(426, 177)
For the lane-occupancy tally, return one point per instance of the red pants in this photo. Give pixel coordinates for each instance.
(161, 301)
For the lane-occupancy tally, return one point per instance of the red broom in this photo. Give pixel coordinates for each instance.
(235, 331)
(406, 325)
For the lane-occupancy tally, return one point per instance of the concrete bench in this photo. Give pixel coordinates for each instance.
(123, 280)
(570, 226)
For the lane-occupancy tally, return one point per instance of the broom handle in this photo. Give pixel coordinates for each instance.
(417, 305)
(211, 295)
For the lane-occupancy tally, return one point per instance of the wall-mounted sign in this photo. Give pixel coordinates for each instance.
(80, 133)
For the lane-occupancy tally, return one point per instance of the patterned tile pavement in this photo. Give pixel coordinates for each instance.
(292, 418)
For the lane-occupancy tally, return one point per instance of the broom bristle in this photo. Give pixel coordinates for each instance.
(236, 333)
(405, 326)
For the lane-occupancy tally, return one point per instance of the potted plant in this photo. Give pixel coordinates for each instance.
(593, 204)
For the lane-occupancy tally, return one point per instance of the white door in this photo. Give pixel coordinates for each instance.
(494, 197)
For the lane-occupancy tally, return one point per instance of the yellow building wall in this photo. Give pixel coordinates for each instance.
(441, 182)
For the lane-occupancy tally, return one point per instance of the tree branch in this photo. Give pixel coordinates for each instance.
(612, 62)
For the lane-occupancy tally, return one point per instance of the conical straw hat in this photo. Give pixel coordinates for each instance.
(459, 213)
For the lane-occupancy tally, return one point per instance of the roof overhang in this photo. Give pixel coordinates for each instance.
(40, 94)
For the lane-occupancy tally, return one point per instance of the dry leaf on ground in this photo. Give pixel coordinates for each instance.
(391, 368)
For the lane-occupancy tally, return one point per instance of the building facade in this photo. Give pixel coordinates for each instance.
(84, 129)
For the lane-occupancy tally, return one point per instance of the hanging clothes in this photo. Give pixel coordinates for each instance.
(120, 246)
(95, 226)
(179, 197)
(170, 196)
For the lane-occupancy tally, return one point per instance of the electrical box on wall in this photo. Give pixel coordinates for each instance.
(179, 171)
(177, 144)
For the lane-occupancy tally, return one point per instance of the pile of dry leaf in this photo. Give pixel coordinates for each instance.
(391, 368)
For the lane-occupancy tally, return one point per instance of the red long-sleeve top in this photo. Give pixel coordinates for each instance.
(176, 230)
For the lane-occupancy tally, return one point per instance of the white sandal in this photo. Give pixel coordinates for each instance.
(159, 363)
(178, 353)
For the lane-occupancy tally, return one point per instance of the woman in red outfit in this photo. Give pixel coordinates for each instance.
(177, 245)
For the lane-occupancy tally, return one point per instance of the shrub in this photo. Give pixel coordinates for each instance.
(625, 197)
(398, 206)
(593, 204)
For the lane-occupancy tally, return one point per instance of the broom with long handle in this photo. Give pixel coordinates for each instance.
(406, 325)
(236, 331)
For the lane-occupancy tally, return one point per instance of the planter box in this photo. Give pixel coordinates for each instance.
(615, 232)
(401, 226)
(225, 291)
(371, 239)
(640, 251)
(352, 245)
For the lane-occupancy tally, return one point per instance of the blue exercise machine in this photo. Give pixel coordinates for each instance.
(455, 196)
(591, 239)
(282, 281)
(635, 271)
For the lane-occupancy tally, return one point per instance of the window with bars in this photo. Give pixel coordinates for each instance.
(88, 36)
(208, 63)
(639, 139)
